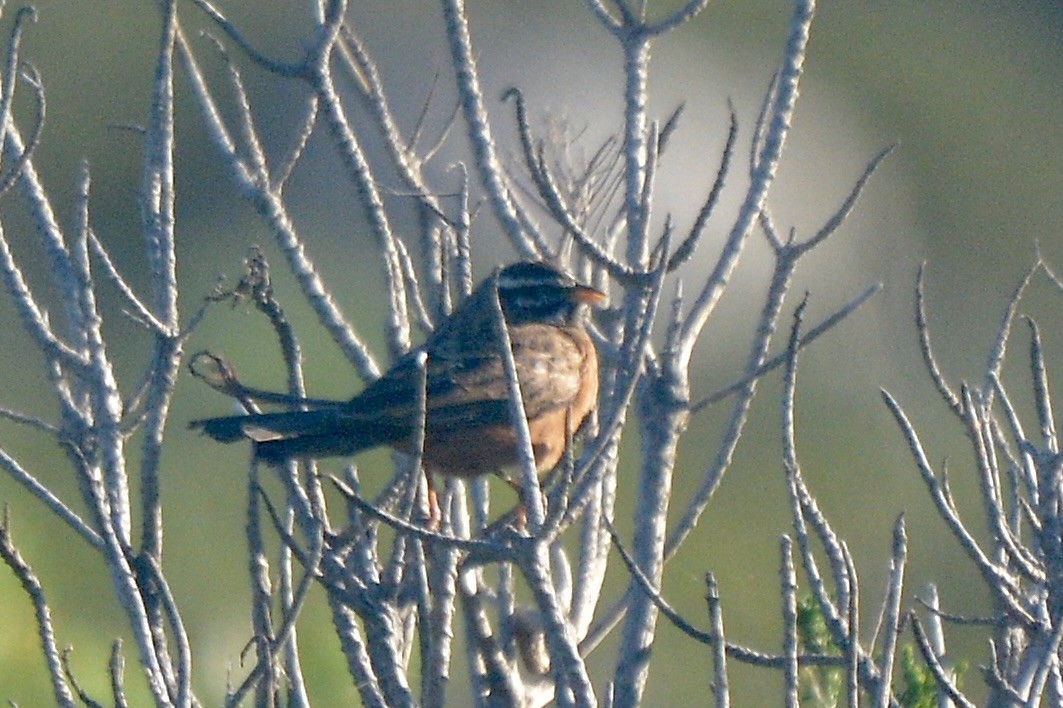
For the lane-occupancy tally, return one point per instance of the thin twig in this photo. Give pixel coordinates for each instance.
(720, 689)
(32, 587)
(778, 360)
(527, 244)
(686, 249)
(941, 676)
(483, 549)
(891, 611)
(788, 584)
(997, 580)
(652, 593)
(1042, 397)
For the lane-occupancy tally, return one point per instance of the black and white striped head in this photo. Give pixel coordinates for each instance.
(537, 292)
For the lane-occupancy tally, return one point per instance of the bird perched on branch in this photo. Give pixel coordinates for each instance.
(468, 429)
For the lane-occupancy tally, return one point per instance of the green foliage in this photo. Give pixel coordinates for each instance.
(819, 686)
(812, 634)
(919, 687)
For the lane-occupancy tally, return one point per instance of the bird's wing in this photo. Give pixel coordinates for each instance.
(465, 388)
(470, 388)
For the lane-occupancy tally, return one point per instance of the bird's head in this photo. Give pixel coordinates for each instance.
(536, 292)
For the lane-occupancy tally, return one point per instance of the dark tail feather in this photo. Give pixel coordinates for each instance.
(321, 433)
(264, 425)
(315, 446)
(224, 430)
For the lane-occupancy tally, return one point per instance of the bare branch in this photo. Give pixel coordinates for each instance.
(479, 550)
(686, 249)
(997, 580)
(933, 663)
(995, 355)
(82, 696)
(273, 210)
(683, 14)
(569, 671)
(32, 78)
(781, 112)
(32, 316)
(720, 688)
(30, 421)
(654, 594)
(923, 327)
(850, 201)
(851, 647)
(528, 245)
(140, 311)
(530, 494)
(236, 36)
(788, 582)
(32, 587)
(891, 611)
(280, 179)
(736, 420)
(116, 667)
(46, 496)
(778, 360)
(1040, 389)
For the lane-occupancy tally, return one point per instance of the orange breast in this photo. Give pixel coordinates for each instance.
(471, 451)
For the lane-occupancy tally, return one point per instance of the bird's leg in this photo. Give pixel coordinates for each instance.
(435, 514)
(520, 514)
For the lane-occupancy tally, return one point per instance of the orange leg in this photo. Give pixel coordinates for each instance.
(435, 514)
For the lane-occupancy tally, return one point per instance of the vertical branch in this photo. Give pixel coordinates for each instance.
(931, 643)
(291, 598)
(359, 665)
(261, 598)
(158, 181)
(1042, 397)
(593, 550)
(720, 689)
(636, 48)
(852, 641)
(158, 228)
(109, 488)
(530, 493)
(766, 325)
(572, 684)
(489, 669)
(91, 408)
(479, 131)
(892, 612)
(788, 581)
(662, 417)
(442, 579)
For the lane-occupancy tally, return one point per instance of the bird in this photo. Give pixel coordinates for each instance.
(468, 431)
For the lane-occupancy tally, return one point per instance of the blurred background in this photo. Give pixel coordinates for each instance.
(970, 91)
